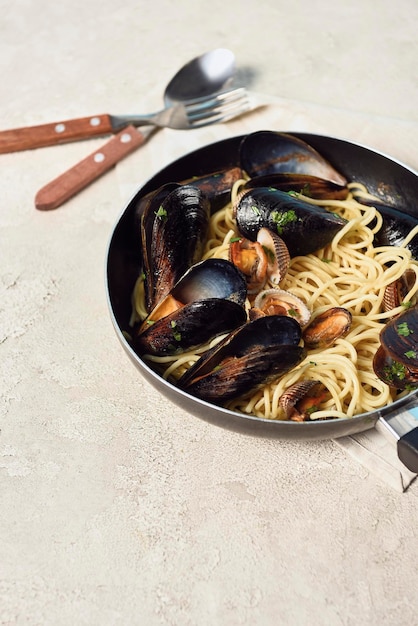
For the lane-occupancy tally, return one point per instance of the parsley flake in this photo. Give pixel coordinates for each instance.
(394, 372)
(176, 333)
(404, 330)
(280, 219)
(161, 213)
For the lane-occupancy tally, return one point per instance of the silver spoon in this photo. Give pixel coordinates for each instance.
(203, 76)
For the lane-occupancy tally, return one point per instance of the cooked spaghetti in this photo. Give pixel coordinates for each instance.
(350, 272)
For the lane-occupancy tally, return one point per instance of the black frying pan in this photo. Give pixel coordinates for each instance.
(391, 181)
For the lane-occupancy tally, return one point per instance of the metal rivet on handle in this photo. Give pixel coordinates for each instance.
(126, 138)
(99, 157)
(95, 121)
(59, 128)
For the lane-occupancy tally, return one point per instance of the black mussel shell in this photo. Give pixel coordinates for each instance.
(212, 278)
(399, 337)
(249, 357)
(392, 372)
(310, 186)
(304, 227)
(217, 186)
(266, 152)
(395, 228)
(174, 229)
(396, 360)
(207, 280)
(192, 325)
(142, 202)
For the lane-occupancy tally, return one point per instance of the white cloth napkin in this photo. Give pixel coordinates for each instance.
(395, 137)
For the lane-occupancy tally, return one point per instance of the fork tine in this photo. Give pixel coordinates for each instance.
(219, 99)
(215, 119)
(219, 113)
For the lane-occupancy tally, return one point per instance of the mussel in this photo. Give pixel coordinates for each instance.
(208, 300)
(396, 360)
(305, 184)
(266, 152)
(304, 227)
(217, 185)
(327, 327)
(396, 227)
(250, 356)
(174, 228)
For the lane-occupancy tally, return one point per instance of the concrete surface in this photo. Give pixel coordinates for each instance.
(118, 508)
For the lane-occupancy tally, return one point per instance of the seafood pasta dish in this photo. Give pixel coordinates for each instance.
(273, 289)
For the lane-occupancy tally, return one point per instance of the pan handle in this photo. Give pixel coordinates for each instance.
(403, 426)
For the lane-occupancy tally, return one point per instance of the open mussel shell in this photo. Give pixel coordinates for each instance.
(173, 325)
(217, 185)
(192, 325)
(268, 152)
(303, 227)
(252, 355)
(327, 327)
(310, 186)
(395, 228)
(212, 278)
(393, 372)
(396, 360)
(174, 228)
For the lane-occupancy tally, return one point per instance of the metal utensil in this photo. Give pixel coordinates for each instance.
(203, 76)
(202, 112)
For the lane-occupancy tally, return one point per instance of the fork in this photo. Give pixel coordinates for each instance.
(189, 115)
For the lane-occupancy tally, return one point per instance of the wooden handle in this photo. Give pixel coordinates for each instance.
(43, 135)
(68, 184)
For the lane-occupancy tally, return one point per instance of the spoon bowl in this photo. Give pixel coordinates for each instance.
(201, 77)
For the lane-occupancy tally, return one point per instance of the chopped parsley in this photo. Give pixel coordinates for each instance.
(161, 213)
(255, 210)
(176, 333)
(404, 330)
(281, 219)
(305, 191)
(396, 371)
(234, 239)
(411, 354)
